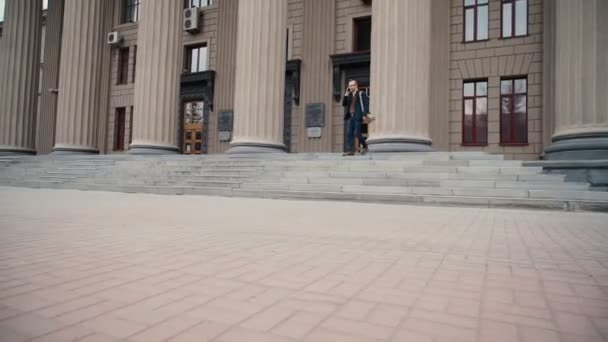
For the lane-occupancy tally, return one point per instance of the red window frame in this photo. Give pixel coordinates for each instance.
(123, 66)
(513, 18)
(475, 139)
(356, 23)
(475, 6)
(119, 129)
(511, 121)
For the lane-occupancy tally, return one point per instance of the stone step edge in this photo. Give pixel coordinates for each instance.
(437, 200)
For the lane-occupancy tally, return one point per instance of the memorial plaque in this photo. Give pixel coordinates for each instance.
(314, 132)
(224, 136)
(315, 115)
(225, 121)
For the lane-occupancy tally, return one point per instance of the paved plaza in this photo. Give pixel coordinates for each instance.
(93, 266)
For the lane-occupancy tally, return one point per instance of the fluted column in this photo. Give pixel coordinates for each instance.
(581, 81)
(159, 50)
(400, 74)
(260, 76)
(19, 73)
(80, 76)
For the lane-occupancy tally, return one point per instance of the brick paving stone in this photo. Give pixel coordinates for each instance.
(203, 332)
(81, 266)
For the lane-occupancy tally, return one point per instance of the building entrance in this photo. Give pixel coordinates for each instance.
(193, 128)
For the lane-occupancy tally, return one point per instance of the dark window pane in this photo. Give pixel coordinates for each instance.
(467, 133)
(505, 104)
(469, 89)
(521, 18)
(507, 17)
(363, 34)
(481, 105)
(482, 22)
(505, 128)
(521, 131)
(188, 135)
(481, 124)
(199, 135)
(468, 107)
(520, 103)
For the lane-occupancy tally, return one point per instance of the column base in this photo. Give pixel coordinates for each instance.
(253, 147)
(392, 145)
(147, 149)
(15, 151)
(72, 149)
(583, 146)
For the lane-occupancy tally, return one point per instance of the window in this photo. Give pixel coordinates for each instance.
(514, 111)
(131, 126)
(198, 3)
(123, 66)
(362, 34)
(130, 11)
(514, 18)
(119, 129)
(134, 61)
(2, 4)
(475, 20)
(196, 59)
(45, 4)
(475, 113)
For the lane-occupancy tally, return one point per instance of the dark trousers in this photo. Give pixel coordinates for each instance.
(353, 129)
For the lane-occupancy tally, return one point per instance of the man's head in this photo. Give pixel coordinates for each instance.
(353, 85)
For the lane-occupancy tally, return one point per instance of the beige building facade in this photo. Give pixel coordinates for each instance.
(523, 78)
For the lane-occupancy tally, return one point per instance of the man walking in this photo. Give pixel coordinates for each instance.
(356, 107)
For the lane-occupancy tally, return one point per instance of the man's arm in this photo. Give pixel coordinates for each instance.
(365, 103)
(345, 100)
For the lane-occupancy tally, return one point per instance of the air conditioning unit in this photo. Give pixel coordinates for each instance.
(191, 17)
(114, 38)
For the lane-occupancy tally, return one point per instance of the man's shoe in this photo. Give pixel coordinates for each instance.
(348, 154)
(363, 151)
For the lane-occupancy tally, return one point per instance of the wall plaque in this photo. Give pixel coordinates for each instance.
(315, 115)
(314, 132)
(225, 121)
(224, 135)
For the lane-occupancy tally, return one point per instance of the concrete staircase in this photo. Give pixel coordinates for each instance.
(437, 178)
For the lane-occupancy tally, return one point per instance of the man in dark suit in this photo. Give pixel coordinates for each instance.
(356, 107)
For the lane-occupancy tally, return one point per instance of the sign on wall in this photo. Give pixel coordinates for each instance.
(225, 124)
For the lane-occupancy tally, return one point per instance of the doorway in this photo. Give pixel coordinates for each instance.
(193, 124)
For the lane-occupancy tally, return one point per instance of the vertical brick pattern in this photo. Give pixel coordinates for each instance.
(225, 66)
(319, 24)
(158, 76)
(19, 74)
(260, 74)
(81, 88)
(346, 11)
(493, 59)
(45, 124)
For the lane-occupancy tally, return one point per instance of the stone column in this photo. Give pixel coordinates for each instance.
(260, 76)
(581, 81)
(159, 65)
(19, 73)
(80, 76)
(400, 75)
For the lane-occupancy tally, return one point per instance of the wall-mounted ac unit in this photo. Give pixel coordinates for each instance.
(191, 17)
(114, 38)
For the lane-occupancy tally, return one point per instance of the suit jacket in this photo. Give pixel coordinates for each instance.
(361, 105)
